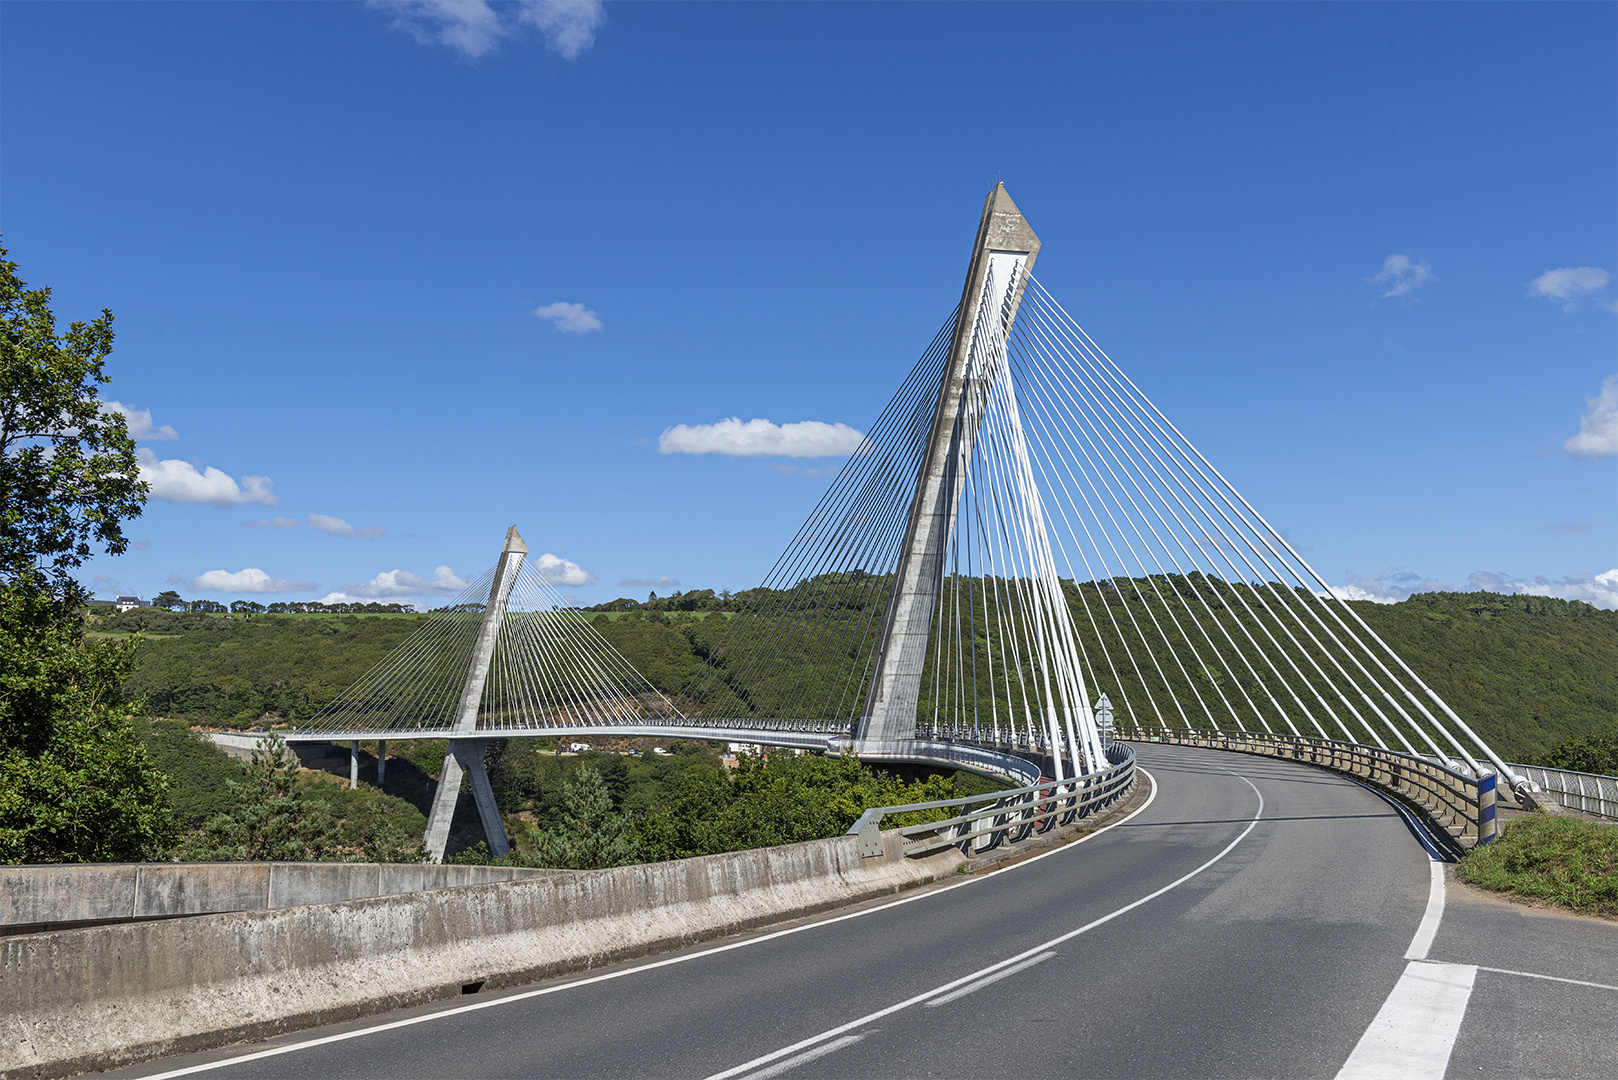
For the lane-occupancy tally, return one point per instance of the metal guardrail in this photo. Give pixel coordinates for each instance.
(1003, 817)
(1590, 793)
(1462, 805)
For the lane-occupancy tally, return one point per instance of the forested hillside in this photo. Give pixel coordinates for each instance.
(1526, 672)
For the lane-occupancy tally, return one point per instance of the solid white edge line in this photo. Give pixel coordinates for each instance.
(1010, 960)
(1422, 943)
(1433, 915)
(973, 988)
(325, 1040)
(804, 1058)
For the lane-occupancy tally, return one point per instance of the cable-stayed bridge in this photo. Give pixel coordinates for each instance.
(1023, 554)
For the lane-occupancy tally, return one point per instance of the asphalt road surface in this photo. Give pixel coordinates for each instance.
(1255, 918)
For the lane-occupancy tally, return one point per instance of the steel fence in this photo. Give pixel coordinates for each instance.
(1003, 817)
(1586, 792)
(1462, 805)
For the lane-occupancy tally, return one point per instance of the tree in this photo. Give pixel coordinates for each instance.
(589, 834)
(168, 600)
(269, 821)
(75, 782)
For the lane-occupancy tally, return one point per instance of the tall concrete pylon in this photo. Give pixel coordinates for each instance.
(1002, 257)
(465, 756)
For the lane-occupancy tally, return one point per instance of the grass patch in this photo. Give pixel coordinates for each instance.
(1563, 861)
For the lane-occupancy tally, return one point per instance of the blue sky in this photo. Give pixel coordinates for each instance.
(1364, 256)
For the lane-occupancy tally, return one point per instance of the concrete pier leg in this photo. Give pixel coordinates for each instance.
(381, 761)
(443, 812)
(470, 753)
(353, 765)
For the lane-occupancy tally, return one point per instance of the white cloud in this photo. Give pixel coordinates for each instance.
(564, 572)
(396, 583)
(476, 27)
(1598, 427)
(1568, 284)
(139, 422)
(1401, 276)
(569, 318)
(271, 523)
(180, 481)
(1389, 585)
(250, 580)
(1600, 589)
(760, 438)
(336, 526)
(664, 582)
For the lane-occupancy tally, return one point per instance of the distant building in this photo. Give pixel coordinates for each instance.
(126, 603)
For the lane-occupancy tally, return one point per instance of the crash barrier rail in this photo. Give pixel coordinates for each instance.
(1459, 803)
(1003, 817)
(1589, 793)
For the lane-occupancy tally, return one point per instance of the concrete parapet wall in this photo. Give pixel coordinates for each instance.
(36, 897)
(73, 1001)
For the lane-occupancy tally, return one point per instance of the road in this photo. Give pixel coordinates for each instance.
(1252, 919)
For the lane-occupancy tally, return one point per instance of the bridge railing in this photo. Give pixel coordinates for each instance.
(1590, 793)
(1003, 817)
(1461, 804)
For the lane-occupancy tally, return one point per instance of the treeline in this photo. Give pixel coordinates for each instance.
(1528, 673)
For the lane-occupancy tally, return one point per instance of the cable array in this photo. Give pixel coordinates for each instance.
(550, 669)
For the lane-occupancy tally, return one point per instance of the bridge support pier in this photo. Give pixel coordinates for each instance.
(465, 759)
(381, 762)
(353, 764)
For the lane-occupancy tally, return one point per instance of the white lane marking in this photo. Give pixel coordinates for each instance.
(870, 1018)
(325, 1040)
(1422, 943)
(1411, 1038)
(804, 1058)
(1551, 978)
(973, 988)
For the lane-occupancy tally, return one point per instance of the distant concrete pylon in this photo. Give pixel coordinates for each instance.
(1001, 260)
(465, 756)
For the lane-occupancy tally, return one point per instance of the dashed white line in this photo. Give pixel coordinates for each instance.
(803, 1059)
(972, 988)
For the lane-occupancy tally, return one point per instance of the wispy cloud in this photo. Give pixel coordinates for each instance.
(182, 481)
(563, 572)
(336, 526)
(250, 580)
(393, 584)
(1570, 528)
(475, 27)
(1569, 284)
(1598, 427)
(760, 438)
(1600, 589)
(1388, 585)
(141, 545)
(568, 318)
(664, 582)
(1401, 276)
(139, 422)
(272, 523)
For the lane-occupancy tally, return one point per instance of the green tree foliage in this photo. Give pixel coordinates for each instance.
(268, 820)
(75, 782)
(589, 833)
(1593, 753)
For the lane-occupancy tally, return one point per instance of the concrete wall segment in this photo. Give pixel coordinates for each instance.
(93, 998)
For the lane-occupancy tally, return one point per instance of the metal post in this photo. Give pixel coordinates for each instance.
(353, 764)
(466, 754)
(1007, 245)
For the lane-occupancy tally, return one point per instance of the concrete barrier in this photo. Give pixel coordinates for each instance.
(35, 898)
(73, 1001)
